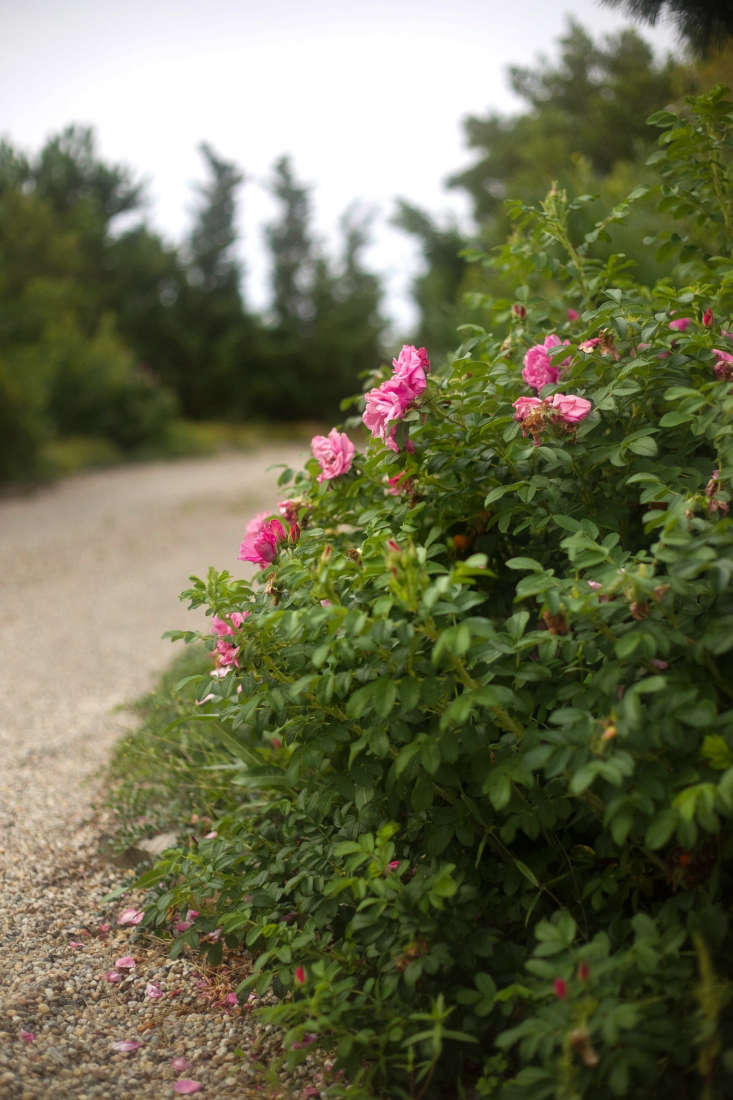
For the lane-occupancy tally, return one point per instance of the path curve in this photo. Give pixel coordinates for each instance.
(90, 572)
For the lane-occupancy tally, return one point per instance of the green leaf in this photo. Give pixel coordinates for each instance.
(385, 696)
(525, 563)
(661, 829)
(646, 445)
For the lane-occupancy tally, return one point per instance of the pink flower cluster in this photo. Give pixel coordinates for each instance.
(539, 369)
(388, 403)
(261, 538)
(226, 653)
(562, 408)
(334, 452)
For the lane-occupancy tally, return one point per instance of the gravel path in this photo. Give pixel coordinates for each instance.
(90, 571)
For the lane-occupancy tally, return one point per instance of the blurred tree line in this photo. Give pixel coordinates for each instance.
(107, 330)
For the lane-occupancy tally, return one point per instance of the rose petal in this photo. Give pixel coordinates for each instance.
(125, 1045)
(126, 963)
(186, 1086)
(113, 976)
(27, 1036)
(180, 1064)
(130, 916)
(153, 991)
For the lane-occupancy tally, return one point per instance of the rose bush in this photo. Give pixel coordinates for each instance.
(479, 724)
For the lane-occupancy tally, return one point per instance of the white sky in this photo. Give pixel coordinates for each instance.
(366, 97)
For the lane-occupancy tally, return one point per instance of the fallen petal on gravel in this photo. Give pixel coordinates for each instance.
(126, 1045)
(126, 963)
(185, 1086)
(130, 916)
(180, 1064)
(27, 1036)
(153, 991)
(113, 976)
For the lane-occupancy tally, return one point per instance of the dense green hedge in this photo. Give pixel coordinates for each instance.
(476, 709)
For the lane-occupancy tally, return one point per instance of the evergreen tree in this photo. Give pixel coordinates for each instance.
(592, 102)
(437, 289)
(210, 309)
(704, 24)
(291, 249)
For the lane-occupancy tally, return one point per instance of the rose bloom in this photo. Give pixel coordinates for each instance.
(389, 402)
(384, 405)
(261, 538)
(681, 323)
(539, 369)
(225, 650)
(411, 366)
(571, 408)
(334, 453)
(523, 406)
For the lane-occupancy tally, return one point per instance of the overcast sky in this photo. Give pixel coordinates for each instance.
(367, 97)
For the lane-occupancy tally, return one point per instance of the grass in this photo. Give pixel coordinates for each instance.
(182, 439)
(161, 777)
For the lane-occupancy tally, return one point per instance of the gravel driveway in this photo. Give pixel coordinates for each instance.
(90, 571)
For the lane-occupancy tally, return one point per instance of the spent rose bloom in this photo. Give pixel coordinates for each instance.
(261, 538)
(334, 453)
(523, 406)
(572, 409)
(723, 366)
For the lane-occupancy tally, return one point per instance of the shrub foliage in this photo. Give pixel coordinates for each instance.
(477, 719)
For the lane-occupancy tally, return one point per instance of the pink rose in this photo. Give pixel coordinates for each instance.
(588, 345)
(573, 315)
(261, 539)
(523, 406)
(681, 323)
(571, 408)
(389, 402)
(334, 453)
(410, 367)
(539, 369)
(225, 650)
(384, 405)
